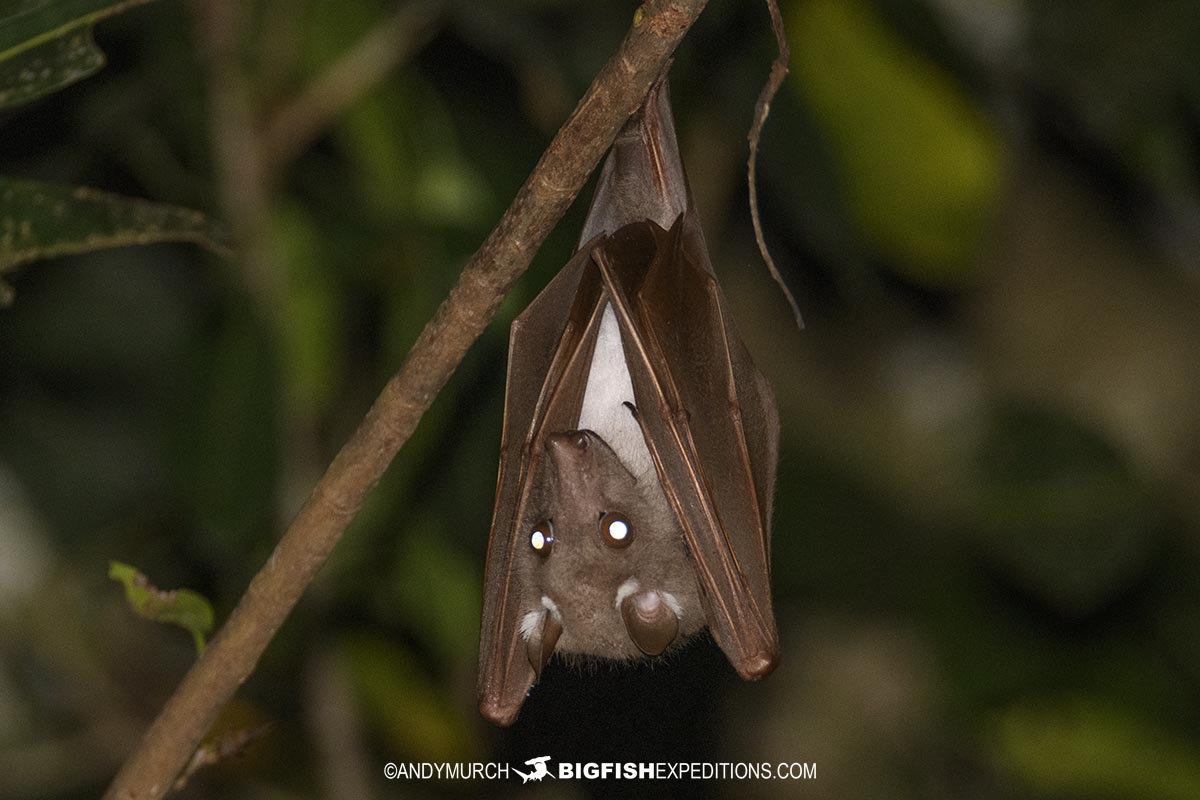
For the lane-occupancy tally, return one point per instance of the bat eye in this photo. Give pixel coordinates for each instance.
(615, 529)
(541, 538)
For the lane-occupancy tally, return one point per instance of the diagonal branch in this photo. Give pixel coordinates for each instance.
(561, 172)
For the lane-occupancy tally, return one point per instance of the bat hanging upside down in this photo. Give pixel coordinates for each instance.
(637, 464)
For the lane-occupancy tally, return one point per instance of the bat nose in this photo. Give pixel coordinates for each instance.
(650, 621)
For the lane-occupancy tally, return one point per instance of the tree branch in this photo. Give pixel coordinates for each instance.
(232, 655)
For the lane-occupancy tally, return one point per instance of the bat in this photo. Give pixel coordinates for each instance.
(639, 447)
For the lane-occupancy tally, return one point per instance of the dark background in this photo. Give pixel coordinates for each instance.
(987, 525)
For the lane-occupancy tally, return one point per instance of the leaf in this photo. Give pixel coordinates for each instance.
(25, 24)
(920, 166)
(181, 607)
(49, 67)
(41, 220)
(47, 44)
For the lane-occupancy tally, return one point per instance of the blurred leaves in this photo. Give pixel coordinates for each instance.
(1083, 749)
(41, 220)
(1062, 513)
(48, 67)
(313, 344)
(181, 607)
(47, 44)
(415, 718)
(435, 590)
(228, 439)
(1128, 80)
(919, 164)
(399, 138)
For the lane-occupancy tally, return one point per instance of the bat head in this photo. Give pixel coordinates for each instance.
(609, 574)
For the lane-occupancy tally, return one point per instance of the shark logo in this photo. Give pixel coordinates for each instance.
(538, 772)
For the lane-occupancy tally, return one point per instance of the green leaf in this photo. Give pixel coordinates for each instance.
(48, 67)
(25, 24)
(920, 166)
(181, 607)
(47, 44)
(41, 220)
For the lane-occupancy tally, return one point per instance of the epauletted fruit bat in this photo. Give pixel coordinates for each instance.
(637, 463)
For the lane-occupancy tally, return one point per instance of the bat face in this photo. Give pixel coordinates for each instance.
(606, 569)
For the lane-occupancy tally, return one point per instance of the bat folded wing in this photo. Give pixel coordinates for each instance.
(549, 349)
(710, 421)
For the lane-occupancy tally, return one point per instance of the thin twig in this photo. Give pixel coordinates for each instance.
(232, 654)
(779, 71)
(300, 122)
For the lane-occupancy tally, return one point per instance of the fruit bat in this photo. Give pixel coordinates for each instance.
(639, 447)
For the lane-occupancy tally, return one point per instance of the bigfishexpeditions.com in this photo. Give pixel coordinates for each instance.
(538, 768)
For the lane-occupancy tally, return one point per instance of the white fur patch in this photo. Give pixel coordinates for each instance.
(530, 623)
(609, 387)
(624, 590)
(672, 603)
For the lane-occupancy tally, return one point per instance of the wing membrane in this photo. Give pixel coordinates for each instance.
(550, 348)
(710, 421)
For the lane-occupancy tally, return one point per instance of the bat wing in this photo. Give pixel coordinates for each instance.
(709, 419)
(550, 347)
(643, 176)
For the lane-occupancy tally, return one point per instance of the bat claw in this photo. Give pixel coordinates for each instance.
(540, 645)
(569, 444)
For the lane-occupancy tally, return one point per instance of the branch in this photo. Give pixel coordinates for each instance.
(779, 71)
(559, 175)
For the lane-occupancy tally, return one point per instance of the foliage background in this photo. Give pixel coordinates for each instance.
(988, 519)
